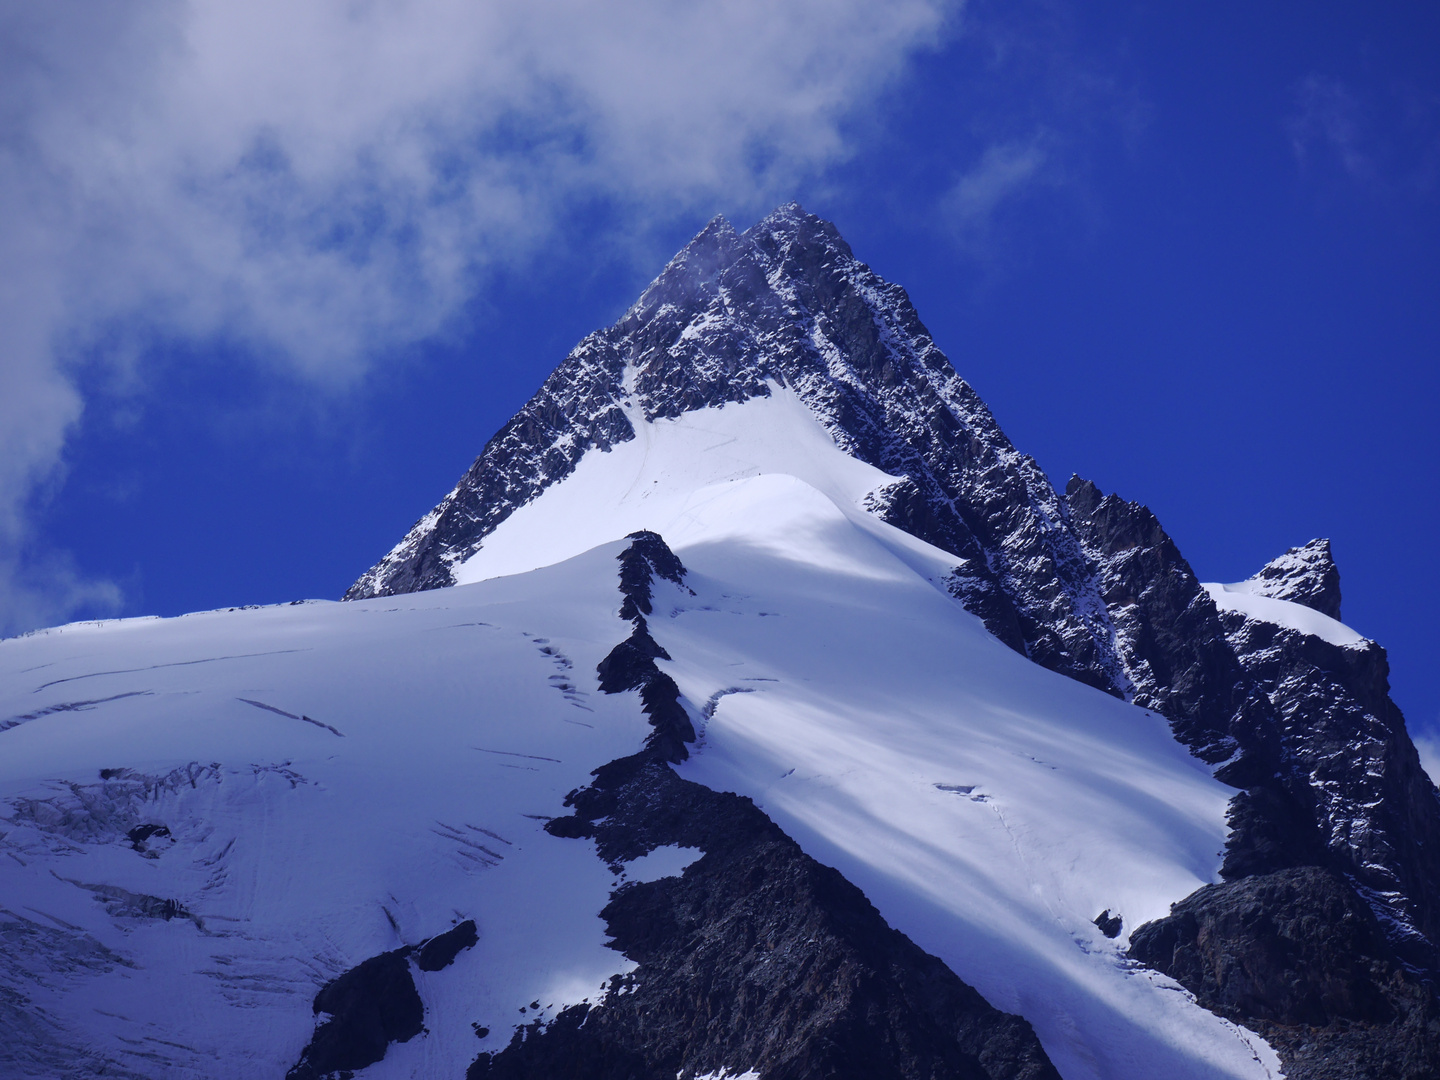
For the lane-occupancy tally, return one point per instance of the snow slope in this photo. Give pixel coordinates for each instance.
(300, 851)
(343, 779)
(665, 477)
(1076, 802)
(1244, 597)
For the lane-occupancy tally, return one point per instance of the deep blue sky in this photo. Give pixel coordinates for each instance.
(1196, 260)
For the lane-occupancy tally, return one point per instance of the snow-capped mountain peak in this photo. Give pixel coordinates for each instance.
(786, 303)
(750, 708)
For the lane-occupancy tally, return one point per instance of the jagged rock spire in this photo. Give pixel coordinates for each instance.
(1303, 575)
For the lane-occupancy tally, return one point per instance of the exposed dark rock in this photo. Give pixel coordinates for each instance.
(1377, 814)
(375, 1004)
(440, 951)
(1272, 826)
(1304, 575)
(1110, 925)
(643, 560)
(631, 664)
(1293, 947)
(140, 838)
(756, 958)
(1300, 958)
(367, 1008)
(1168, 631)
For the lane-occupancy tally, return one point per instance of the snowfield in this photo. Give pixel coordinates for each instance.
(461, 718)
(338, 780)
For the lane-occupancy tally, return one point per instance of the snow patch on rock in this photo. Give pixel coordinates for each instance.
(1242, 596)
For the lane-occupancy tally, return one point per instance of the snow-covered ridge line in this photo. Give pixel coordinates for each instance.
(1244, 598)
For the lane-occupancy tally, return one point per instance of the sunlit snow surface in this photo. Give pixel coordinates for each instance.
(989, 808)
(1240, 597)
(295, 846)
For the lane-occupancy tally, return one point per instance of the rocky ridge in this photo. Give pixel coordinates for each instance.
(1322, 934)
(1303, 575)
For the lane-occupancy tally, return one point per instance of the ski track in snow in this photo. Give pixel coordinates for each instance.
(989, 808)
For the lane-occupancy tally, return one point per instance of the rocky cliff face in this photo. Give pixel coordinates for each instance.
(1322, 935)
(1168, 634)
(1299, 957)
(1303, 575)
(1323, 932)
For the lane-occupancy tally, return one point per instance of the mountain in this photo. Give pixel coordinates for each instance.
(787, 304)
(751, 708)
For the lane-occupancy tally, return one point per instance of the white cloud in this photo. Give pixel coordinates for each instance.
(1328, 117)
(1004, 172)
(1428, 744)
(324, 181)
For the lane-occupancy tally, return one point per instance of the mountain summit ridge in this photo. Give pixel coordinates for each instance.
(787, 302)
(1304, 575)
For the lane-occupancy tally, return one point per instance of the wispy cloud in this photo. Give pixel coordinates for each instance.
(321, 182)
(1045, 103)
(1428, 743)
(1004, 173)
(1385, 140)
(1327, 121)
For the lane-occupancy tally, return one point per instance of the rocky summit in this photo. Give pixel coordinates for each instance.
(751, 708)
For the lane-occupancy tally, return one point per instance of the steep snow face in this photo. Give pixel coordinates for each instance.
(338, 780)
(787, 303)
(675, 478)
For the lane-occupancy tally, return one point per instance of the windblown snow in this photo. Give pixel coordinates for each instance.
(336, 780)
